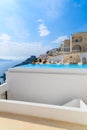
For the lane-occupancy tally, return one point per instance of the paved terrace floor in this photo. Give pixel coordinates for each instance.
(18, 122)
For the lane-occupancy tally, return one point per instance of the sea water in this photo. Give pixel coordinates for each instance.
(5, 65)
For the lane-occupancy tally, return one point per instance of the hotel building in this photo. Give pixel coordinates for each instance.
(76, 43)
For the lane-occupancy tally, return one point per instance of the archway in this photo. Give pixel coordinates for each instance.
(77, 48)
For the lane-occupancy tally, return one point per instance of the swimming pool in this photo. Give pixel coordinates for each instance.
(54, 66)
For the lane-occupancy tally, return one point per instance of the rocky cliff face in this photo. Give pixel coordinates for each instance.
(43, 57)
(72, 58)
(27, 61)
(53, 52)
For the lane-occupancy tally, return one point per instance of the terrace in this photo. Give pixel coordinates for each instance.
(42, 101)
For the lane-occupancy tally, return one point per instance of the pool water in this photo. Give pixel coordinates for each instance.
(56, 66)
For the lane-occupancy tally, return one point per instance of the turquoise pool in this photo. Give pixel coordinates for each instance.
(56, 66)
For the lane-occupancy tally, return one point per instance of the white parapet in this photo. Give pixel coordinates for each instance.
(49, 86)
(61, 113)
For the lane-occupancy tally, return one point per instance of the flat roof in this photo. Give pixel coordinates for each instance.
(20, 122)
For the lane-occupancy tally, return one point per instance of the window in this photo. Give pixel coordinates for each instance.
(76, 40)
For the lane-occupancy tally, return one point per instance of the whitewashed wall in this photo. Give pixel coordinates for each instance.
(62, 113)
(47, 86)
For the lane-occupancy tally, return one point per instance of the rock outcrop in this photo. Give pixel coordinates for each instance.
(27, 61)
(72, 58)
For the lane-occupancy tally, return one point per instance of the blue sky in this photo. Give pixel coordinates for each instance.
(30, 27)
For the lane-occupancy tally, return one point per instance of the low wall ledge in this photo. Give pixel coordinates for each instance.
(49, 71)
